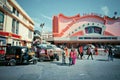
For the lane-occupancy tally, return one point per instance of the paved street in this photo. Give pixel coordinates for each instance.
(97, 69)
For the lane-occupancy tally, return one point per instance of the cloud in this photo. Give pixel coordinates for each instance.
(105, 9)
(47, 17)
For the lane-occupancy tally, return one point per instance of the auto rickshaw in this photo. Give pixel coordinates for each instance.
(19, 54)
(2, 53)
(45, 53)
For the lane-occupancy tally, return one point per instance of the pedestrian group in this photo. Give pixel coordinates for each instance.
(73, 55)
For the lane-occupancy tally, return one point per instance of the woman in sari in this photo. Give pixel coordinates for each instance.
(74, 57)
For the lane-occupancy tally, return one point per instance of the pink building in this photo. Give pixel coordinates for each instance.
(89, 28)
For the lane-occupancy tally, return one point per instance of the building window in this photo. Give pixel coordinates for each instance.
(13, 43)
(16, 43)
(15, 26)
(19, 43)
(83, 25)
(1, 20)
(15, 12)
(93, 29)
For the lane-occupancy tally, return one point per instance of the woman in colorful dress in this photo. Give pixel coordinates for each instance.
(74, 57)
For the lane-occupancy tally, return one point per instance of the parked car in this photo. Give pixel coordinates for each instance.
(19, 54)
(47, 52)
(54, 48)
(116, 51)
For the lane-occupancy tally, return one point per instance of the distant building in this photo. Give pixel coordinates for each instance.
(16, 26)
(89, 28)
(47, 35)
(41, 37)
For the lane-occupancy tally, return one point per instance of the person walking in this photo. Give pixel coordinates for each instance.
(96, 50)
(80, 52)
(66, 51)
(74, 57)
(110, 54)
(70, 57)
(90, 52)
(63, 57)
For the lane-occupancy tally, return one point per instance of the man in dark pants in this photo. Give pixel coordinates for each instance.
(110, 54)
(80, 52)
(90, 52)
(63, 58)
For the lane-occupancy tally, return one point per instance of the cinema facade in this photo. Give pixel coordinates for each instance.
(86, 29)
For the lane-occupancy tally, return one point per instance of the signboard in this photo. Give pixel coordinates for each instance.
(99, 38)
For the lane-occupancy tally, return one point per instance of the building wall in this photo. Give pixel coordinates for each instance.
(113, 27)
(67, 25)
(8, 23)
(89, 28)
(22, 36)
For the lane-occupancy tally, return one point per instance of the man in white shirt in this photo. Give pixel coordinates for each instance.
(91, 52)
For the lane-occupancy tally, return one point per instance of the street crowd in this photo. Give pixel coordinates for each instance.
(79, 53)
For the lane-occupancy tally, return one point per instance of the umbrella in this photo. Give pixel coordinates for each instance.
(91, 45)
(42, 46)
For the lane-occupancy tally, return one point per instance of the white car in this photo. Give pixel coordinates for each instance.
(50, 47)
(54, 48)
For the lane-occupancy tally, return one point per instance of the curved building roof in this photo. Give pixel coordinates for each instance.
(65, 26)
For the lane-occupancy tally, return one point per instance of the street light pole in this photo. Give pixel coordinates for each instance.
(41, 25)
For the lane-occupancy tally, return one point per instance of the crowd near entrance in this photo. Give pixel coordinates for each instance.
(76, 45)
(98, 48)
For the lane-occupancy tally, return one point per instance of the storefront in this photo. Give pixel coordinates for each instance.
(9, 38)
(2, 40)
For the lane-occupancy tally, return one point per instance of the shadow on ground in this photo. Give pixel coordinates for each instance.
(60, 64)
(101, 60)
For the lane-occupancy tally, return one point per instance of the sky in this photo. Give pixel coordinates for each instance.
(42, 11)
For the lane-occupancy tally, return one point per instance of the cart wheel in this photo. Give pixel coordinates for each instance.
(41, 59)
(57, 58)
(12, 62)
(34, 61)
